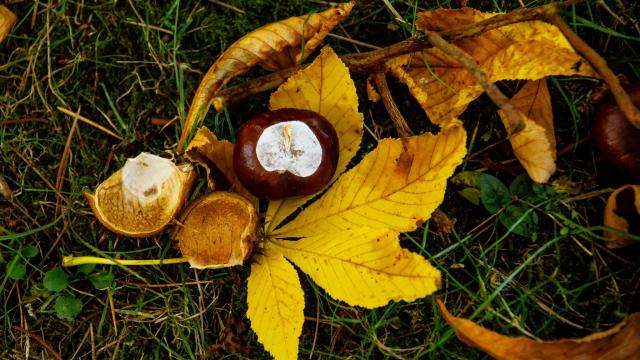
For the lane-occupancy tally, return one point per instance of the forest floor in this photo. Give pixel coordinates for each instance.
(124, 63)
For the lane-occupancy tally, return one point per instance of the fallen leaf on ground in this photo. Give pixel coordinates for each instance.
(363, 267)
(618, 343)
(275, 304)
(326, 88)
(622, 212)
(535, 145)
(529, 50)
(348, 238)
(396, 186)
(210, 152)
(7, 20)
(274, 46)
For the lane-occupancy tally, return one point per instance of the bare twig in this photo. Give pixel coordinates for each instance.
(400, 123)
(23, 121)
(631, 112)
(64, 161)
(39, 340)
(514, 118)
(90, 122)
(373, 61)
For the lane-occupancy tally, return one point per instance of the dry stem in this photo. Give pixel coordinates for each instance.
(600, 65)
(81, 260)
(396, 116)
(373, 61)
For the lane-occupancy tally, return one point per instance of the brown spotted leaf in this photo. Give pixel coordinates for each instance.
(529, 51)
(273, 46)
(622, 212)
(618, 343)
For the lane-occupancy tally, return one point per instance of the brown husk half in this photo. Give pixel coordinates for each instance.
(622, 212)
(217, 230)
(126, 216)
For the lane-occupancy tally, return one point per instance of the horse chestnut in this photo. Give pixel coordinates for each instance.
(618, 140)
(285, 153)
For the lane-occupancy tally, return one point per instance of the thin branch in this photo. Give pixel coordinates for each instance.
(514, 118)
(400, 123)
(40, 341)
(373, 61)
(630, 111)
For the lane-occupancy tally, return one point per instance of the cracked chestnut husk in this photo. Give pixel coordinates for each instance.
(217, 230)
(143, 197)
(286, 153)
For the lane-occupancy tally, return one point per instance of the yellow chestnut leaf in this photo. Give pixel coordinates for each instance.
(326, 88)
(273, 46)
(275, 304)
(363, 267)
(396, 186)
(535, 145)
(528, 50)
(7, 19)
(211, 153)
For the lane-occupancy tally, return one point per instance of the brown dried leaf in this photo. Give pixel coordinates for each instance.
(529, 50)
(622, 212)
(535, 145)
(618, 343)
(208, 151)
(273, 46)
(217, 230)
(7, 20)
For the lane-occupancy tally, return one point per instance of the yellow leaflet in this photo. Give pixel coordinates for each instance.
(396, 186)
(326, 88)
(535, 146)
(208, 151)
(363, 267)
(528, 50)
(7, 19)
(276, 304)
(273, 46)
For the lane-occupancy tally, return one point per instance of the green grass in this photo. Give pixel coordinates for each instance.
(122, 63)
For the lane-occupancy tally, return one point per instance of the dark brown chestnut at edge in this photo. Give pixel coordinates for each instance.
(618, 140)
(276, 185)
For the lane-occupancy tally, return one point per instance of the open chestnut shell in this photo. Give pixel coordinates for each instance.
(285, 153)
(618, 140)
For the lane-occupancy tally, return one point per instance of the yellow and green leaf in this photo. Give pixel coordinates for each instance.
(326, 88)
(276, 304)
(363, 267)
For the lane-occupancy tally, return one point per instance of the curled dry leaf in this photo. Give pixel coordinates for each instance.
(7, 19)
(618, 343)
(143, 197)
(622, 212)
(528, 50)
(217, 230)
(5, 190)
(535, 145)
(274, 46)
(212, 153)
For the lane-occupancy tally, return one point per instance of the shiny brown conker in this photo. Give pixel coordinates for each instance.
(285, 153)
(618, 140)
